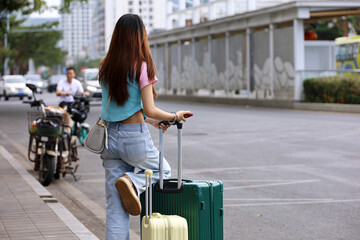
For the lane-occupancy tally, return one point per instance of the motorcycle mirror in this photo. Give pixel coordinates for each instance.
(31, 86)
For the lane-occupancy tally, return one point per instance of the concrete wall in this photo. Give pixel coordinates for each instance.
(236, 59)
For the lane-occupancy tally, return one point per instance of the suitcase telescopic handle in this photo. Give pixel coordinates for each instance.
(148, 195)
(179, 126)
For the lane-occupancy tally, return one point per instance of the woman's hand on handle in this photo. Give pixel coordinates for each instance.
(182, 115)
(155, 124)
(163, 127)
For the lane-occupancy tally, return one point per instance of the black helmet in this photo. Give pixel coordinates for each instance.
(78, 116)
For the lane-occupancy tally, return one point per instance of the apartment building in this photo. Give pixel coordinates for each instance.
(181, 13)
(107, 12)
(76, 32)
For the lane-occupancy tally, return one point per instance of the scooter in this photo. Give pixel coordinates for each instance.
(49, 147)
(78, 111)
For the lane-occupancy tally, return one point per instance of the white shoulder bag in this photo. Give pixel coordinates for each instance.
(97, 137)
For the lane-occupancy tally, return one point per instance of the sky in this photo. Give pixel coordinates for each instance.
(47, 14)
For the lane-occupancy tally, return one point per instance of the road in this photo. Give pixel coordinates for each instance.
(287, 174)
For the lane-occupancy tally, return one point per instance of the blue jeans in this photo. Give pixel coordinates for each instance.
(130, 147)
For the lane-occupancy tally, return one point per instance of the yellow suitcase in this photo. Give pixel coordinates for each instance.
(155, 226)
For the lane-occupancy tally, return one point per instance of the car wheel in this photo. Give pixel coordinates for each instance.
(21, 98)
(6, 97)
(29, 97)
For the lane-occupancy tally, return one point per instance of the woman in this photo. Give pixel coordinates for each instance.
(127, 75)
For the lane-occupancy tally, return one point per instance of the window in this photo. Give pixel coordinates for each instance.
(349, 51)
(342, 51)
(189, 4)
(130, 3)
(355, 50)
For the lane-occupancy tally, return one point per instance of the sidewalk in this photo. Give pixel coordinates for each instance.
(29, 211)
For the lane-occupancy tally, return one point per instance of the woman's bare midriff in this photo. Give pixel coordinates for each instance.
(135, 118)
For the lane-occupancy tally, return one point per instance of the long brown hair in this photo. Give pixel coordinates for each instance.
(129, 47)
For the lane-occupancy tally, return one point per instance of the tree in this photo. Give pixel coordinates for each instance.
(41, 46)
(25, 7)
(355, 23)
(87, 64)
(21, 46)
(333, 28)
(325, 30)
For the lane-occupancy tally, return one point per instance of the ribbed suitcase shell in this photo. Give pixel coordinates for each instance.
(160, 227)
(200, 202)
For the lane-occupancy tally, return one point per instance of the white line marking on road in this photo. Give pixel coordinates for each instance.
(292, 203)
(2, 134)
(278, 199)
(273, 184)
(321, 174)
(336, 136)
(257, 180)
(93, 180)
(196, 171)
(102, 174)
(258, 140)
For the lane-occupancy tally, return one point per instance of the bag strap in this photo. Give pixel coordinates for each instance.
(102, 123)
(102, 119)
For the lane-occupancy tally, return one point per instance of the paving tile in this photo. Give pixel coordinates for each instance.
(20, 228)
(26, 237)
(62, 237)
(3, 233)
(4, 236)
(23, 213)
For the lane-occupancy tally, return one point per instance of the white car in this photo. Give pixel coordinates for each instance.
(53, 81)
(89, 78)
(14, 86)
(37, 81)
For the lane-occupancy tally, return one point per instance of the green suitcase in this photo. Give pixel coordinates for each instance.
(199, 202)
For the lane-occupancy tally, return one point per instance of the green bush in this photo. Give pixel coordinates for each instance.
(344, 89)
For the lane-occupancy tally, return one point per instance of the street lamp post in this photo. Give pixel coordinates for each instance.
(6, 70)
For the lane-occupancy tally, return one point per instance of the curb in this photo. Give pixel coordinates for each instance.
(70, 221)
(34, 184)
(281, 104)
(330, 107)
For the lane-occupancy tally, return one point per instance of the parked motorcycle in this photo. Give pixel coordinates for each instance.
(50, 146)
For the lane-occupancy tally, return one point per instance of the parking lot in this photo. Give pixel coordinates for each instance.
(286, 174)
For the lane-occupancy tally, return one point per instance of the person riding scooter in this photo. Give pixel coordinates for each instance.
(67, 88)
